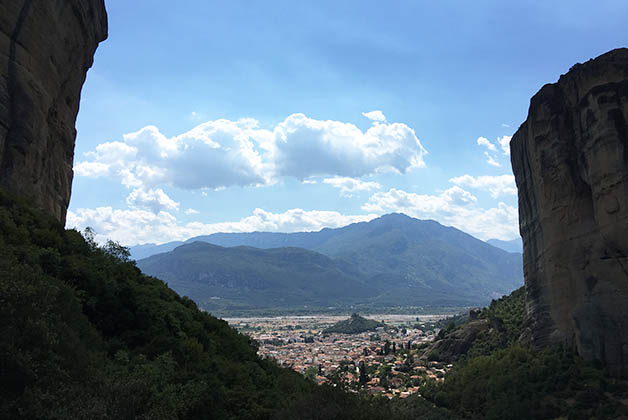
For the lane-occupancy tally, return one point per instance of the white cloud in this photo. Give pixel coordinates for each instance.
(505, 125)
(377, 116)
(495, 185)
(211, 155)
(303, 147)
(309, 181)
(155, 200)
(504, 142)
(504, 145)
(454, 207)
(192, 211)
(224, 153)
(348, 185)
(483, 141)
(490, 159)
(130, 227)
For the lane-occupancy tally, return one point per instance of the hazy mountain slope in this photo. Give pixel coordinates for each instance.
(401, 252)
(307, 240)
(516, 245)
(390, 261)
(146, 250)
(245, 277)
(405, 257)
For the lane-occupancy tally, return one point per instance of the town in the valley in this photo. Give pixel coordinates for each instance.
(387, 360)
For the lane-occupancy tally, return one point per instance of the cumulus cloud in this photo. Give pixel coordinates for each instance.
(348, 185)
(496, 185)
(504, 143)
(453, 207)
(377, 116)
(483, 141)
(191, 212)
(225, 153)
(130, 227)
(303, 147)
(155, 200)
(490, 159)
(213, 154)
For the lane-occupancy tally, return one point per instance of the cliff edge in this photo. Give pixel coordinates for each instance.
(46, 48)
(570, 160)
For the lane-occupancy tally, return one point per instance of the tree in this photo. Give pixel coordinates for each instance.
(363, 376)
(310, 373)
(116, 250)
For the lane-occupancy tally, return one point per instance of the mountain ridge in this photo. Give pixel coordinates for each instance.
(394, 260)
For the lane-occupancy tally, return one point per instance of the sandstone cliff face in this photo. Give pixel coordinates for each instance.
(46, 48)
(570, 160)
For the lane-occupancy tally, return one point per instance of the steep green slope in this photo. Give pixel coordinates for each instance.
(84, 335)
(501, 377)
(245, 277)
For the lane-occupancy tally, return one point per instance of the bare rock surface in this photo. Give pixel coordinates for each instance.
(46, 48)
(570, 160)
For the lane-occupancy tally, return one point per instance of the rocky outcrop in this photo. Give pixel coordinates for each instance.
(46, 48)
(570, 160)
(457, 343)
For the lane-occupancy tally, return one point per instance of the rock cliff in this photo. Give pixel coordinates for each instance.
(46, 48)
(570, 160)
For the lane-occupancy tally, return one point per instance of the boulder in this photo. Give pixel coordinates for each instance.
(46, 48)
(570, 160)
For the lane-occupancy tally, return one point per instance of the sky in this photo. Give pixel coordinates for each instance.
(236, 116)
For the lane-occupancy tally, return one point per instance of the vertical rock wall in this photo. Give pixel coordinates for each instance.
(46, 48)
(570, 160)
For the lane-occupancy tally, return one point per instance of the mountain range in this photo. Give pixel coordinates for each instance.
(394, 260)
(515, 245)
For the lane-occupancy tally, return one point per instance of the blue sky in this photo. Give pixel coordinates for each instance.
(199, 117)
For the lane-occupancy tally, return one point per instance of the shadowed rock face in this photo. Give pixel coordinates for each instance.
(46, 48)
(570, 160)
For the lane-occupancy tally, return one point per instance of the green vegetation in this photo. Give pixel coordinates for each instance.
(84, 335)
(519, 382)
(500, 378)
(354, 325)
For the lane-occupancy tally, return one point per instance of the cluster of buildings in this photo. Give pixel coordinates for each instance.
(384, 362)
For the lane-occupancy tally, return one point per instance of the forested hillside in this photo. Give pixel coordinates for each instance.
(84, 335)
(501, 377)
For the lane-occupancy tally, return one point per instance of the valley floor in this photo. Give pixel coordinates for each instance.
(386, 355)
